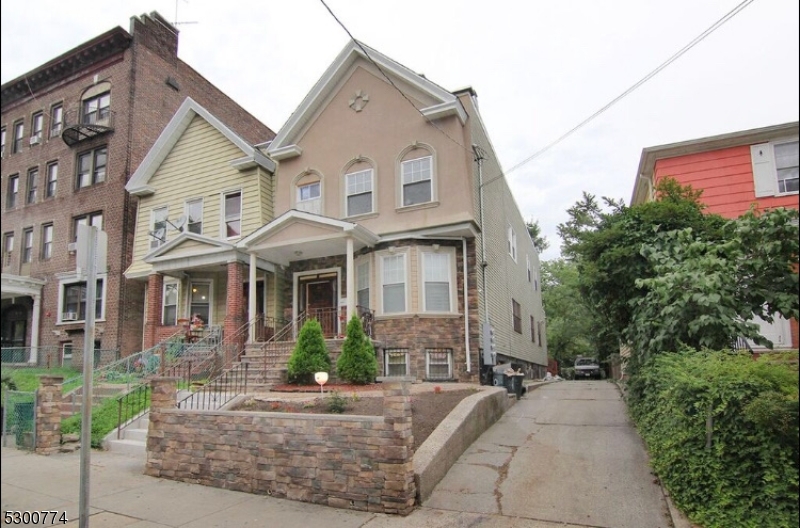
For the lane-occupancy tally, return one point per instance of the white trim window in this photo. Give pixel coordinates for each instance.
(512, 242)
(417, 181)
(158, 226)
(439, 363)
(359, 193)
(47, 241)
(56, 119)
(528, 265)
(169, 309)
(232, 211)
(52, 180)
(193, 209)
(393, 283)
(775, 168)
(395, 362)
(309, 197)
(362, 284)
(37, 124)
(436, 282)
(73, 301)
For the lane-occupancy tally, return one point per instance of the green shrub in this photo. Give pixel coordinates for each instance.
(310, 355)
(336, 403)
(357, 363)
(105, 418)
(722, 434)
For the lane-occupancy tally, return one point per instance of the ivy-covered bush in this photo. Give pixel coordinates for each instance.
(310, 355)
(357, 363)
(722, 432)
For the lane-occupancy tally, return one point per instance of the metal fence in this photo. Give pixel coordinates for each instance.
(53, 356)
(19, 419)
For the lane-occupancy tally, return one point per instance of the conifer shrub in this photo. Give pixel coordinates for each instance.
(357, 363)
(310, 355)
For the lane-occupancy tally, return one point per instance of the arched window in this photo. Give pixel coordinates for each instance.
(417, 176)
(359, 188)
(307, 192)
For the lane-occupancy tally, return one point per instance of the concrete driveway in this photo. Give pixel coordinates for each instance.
(565, 453)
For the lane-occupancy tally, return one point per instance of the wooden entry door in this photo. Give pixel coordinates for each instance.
(321, 305)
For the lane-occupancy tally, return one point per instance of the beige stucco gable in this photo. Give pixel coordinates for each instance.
(300, 231)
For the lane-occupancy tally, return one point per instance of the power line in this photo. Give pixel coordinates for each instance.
(716, 25)
(358, 43)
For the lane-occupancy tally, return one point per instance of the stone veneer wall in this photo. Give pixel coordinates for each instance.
(48, 414)
(353, 462)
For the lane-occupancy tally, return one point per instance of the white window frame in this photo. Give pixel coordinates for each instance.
(157, 221)
(56, 119)
(404, 258)
(164, 305)
(37, 127)
(47, 241)
(529, 268)
(8, 248)
(512, 242)
(399, 352)
(230, 217)
(187, 205)
(450, 253)
(354, 189)
(430, 179)
(71, 279)
(51, 180)
(765, 168)
(312, 204)
(428, 352)
(27, 245)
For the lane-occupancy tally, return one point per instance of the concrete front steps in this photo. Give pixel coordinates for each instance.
(133, 438)
(73, 401)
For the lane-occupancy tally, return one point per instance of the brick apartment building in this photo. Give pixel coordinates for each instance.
(73, 131)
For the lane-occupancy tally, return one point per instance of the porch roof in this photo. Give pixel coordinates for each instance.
(190, 251)
(20, 286)
(298, 235)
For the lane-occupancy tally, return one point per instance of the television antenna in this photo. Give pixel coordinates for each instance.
(175, 23)
(158, 234)
(178, 224)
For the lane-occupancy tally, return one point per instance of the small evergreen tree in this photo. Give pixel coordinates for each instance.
(310, 355)
(357, 363)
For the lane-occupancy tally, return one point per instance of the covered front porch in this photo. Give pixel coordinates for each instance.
(317, 256)
(21, 318)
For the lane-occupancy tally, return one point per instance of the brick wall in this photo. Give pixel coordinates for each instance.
(352, 462)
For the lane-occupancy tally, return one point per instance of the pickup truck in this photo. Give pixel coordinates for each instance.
(587, 367)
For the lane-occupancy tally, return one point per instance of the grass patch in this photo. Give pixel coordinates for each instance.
(105, 418)
(27, 379)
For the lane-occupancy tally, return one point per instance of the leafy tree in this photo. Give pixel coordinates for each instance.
(310, 355)
(606, 246)
(570, 322)
(540, 241)
(357, 363)
(705, 293)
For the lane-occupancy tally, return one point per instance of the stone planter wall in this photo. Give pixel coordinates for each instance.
(353, 462)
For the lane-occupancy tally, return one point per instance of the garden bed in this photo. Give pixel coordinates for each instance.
(428, 409)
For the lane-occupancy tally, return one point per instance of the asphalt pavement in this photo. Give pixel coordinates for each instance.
(565, 455)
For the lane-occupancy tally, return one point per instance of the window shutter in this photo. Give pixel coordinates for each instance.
(763, 169)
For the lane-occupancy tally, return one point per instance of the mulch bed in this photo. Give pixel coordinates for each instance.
(428, 409)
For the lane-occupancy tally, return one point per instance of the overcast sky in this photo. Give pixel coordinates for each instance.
(539, 68)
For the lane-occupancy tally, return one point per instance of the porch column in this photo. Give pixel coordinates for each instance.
(251, 300)
(35, 321)
(351, 281)
(234, 312)
(152, 318)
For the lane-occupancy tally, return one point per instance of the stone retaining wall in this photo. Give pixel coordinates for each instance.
(353, 462)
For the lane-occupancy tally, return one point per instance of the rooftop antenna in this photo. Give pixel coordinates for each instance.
(175, 23)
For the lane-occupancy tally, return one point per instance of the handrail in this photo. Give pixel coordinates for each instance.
(740, 344)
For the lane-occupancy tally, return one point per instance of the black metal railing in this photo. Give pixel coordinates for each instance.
(132, 405)
(367, 317)
(222, 389)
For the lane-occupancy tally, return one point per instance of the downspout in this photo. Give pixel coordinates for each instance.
(466, 304)
(479, 158)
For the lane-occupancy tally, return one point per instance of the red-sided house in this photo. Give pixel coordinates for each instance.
(735, 171)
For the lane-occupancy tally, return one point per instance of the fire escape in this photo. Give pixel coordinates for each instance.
(78, 127)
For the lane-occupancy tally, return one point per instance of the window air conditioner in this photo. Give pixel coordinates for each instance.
(69, 316)
(72, 247)
(35, 140)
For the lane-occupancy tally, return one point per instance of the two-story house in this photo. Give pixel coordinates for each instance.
(735, 171)
(388, 203)
(73, 131)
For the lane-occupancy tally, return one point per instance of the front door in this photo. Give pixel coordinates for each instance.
(321, 305)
